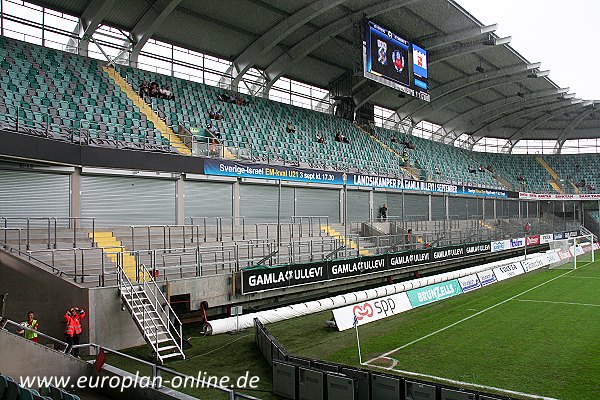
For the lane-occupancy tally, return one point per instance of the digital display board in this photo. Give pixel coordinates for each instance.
(395, 62)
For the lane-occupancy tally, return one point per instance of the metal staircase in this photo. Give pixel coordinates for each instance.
(151, 312)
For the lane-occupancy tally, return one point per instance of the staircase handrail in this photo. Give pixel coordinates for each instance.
(154, 289)
(124, 282)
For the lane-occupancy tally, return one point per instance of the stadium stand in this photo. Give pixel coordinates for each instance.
(11, 390)
(68, 97)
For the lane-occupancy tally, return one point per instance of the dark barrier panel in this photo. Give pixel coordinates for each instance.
(326, 367)
(311, 384)
(419, 391)
(362, 382)
(449, 394)
(339, 388)
(385, 387)
(299, 361)
(259, 279)
(350, 267)
(284, 380)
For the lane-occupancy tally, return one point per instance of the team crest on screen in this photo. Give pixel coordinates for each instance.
(398, 60)
(381, 52)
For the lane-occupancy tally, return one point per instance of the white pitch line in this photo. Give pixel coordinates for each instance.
(559, 302)
(583, 277)
(469, 317)
(463, 384)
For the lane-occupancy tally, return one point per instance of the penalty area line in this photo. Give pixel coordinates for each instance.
(468, 318)
(463, 384)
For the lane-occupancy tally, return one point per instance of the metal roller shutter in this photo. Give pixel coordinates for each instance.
(117, 201)
(438, 208)
(34, 194)
(416, 206)
(393, 201)
(489, 209)
(318, 202)
(457, 207)
(258, 203)
(513, 208)
(358, 205)
(208, 199)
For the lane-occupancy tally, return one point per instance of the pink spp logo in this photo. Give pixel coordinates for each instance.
(361, 312)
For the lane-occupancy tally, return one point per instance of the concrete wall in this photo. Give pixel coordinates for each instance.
(22, 358)
(48, 296)
(31, 288)
(109, 324)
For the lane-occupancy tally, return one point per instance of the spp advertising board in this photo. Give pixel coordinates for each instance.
(259, 279)
(371, 310)
(487, 277)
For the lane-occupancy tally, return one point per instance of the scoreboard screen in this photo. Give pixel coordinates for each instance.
(395, 62)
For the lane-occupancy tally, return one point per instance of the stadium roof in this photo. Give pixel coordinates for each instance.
(479, 84)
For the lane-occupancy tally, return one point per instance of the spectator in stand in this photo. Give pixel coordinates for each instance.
(154, 92)
(472, 170)
(290, 128)
(144, 89)
(490, 168)
(394, 139)
(338, 137)
(211, 113)
(165, 93)
(73, 317)
(240, 100)
(408, 237)
(320, 139)
(219, 114)
(213, 130)
(31, 323)
(527, 228)
(481, 168)
(383, 212)
(437, 170)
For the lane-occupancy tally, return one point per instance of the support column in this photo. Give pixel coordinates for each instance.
(430, 218)
(236, 200)
(342, 206)
(180, 201)
(75, 206)
(495, 209)
(372, 204)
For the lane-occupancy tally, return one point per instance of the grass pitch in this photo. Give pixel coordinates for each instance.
(537, 333)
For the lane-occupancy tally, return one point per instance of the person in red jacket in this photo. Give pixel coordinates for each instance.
(73, 318)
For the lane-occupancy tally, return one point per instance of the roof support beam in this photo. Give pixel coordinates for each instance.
(568, 131)
(487, 128)
(465, 49)
(444, 90)
(303, 48)
(522, 132)
(445, 101)
(276, 34)
(152, 19)
(90, 20)
(466, 120)
(434, 43)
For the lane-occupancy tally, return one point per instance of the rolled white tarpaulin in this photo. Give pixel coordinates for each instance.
(230, 324)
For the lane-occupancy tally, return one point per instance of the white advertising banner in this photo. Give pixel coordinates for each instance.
(469, 283)
(487, 277)
(516, 243)
(508, 271)
(500, 245)
(371, 310)
(546, 239)
(532, 264)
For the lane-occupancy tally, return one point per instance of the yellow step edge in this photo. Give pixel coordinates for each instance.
(174, 140)
(108, 241)
(348, 242)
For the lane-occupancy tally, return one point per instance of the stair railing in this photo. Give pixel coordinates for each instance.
(166, 313)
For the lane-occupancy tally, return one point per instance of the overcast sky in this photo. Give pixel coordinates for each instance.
(562, 35)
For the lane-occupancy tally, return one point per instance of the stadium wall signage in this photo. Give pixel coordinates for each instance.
(288, 173)
(259, 279)
(432, 293)
(558, 196)
(508, 271)
(487, 277)
(469, 283)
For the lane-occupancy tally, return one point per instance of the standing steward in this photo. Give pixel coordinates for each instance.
(73, 318)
